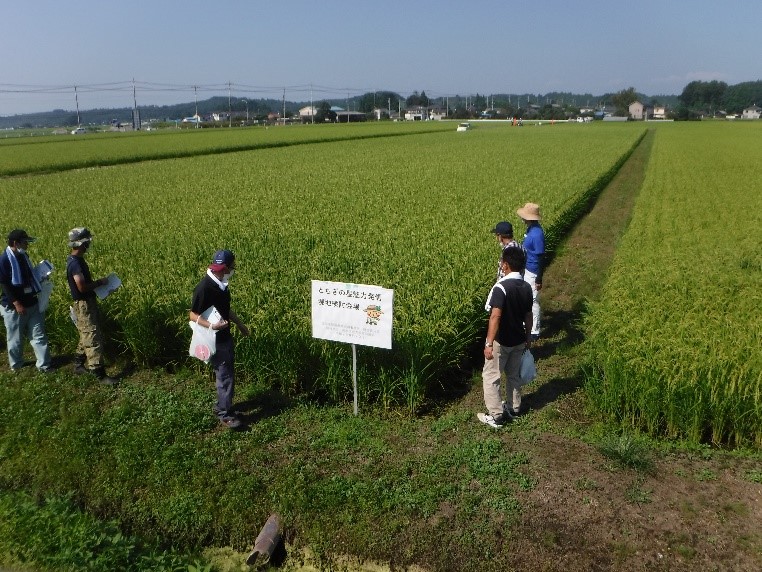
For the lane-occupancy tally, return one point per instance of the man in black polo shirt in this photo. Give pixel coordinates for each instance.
(213, 291)
(508, 335)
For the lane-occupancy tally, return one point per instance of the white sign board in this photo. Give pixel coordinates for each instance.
(352, 313)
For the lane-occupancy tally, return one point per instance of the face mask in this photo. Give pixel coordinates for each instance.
(21, 250)
(226, 277)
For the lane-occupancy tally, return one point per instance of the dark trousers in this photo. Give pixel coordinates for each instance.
(222, 362)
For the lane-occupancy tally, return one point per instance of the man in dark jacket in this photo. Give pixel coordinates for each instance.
(21, 312)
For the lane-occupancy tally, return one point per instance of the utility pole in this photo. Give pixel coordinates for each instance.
(76, 99)
(195, 94)
(284, 106)
(230, 109)
(135, 114)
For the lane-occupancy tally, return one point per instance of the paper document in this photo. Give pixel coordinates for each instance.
(211, 315)
(43, 296)
(43, 270)
(112, 284)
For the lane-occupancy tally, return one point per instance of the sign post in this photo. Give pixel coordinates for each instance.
(354, 314)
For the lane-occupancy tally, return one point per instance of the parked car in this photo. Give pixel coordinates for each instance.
(79, 131)
(464, 127)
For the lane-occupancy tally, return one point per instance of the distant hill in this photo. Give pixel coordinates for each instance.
(61, 117)
(259, 108)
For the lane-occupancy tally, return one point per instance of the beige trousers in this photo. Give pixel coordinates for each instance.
(90, 336)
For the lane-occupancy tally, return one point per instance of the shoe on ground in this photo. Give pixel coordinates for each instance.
(103, 377)
(509, 413)
(231, 422)
(493, 421)
(45, 369)
(534, 337)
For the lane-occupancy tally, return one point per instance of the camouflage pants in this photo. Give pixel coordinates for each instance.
(90, 336)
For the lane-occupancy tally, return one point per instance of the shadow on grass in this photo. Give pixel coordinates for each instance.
(562, 331)
(269, 403)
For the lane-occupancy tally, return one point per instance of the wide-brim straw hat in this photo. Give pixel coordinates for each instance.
(529, 211)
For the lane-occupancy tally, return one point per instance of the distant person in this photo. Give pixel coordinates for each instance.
(21, 311)
(508, 335)
(89, 357)
(213, 291)
(534, 246)
(503, 232)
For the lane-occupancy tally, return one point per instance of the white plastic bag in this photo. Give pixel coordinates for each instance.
(203, 342)
(528, 370)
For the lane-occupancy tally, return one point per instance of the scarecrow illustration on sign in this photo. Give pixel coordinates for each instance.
(374, 314)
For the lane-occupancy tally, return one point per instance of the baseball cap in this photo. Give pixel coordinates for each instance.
(503, 227)
(221, 259)
(18, 235)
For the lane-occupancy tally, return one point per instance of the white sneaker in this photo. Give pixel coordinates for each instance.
(487, 419)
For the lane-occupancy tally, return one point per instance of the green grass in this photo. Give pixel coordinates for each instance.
(54, 535)
(150, 452)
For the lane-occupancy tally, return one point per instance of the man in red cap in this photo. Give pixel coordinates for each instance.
(21, 312)
(213, 291)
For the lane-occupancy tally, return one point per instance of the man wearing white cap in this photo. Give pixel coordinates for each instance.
(534, 246)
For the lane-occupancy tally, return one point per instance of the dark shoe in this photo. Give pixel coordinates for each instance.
(103, 378)
(509, 413)
(231, 422)
(535, 337)
(79, 364)
(45, 369)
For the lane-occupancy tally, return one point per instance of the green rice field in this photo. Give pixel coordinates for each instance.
(673, 346)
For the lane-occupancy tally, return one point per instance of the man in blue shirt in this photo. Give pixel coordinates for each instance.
(534, 246)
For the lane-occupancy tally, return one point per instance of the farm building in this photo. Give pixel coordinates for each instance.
(752, 112)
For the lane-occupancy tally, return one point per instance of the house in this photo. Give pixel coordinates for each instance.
(752, 112)
(437, 113)
(308, 112)
(350, 116)
(637, 110)
(659, 112)
(417, 113)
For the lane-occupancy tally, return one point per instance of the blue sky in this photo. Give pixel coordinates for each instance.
(336, 48)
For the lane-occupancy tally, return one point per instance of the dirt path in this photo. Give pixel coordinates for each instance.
(692, 511)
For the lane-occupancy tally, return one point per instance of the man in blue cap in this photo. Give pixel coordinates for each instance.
(21, 312)
(213, 291)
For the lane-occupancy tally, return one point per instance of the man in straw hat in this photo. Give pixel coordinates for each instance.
(534, 246)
